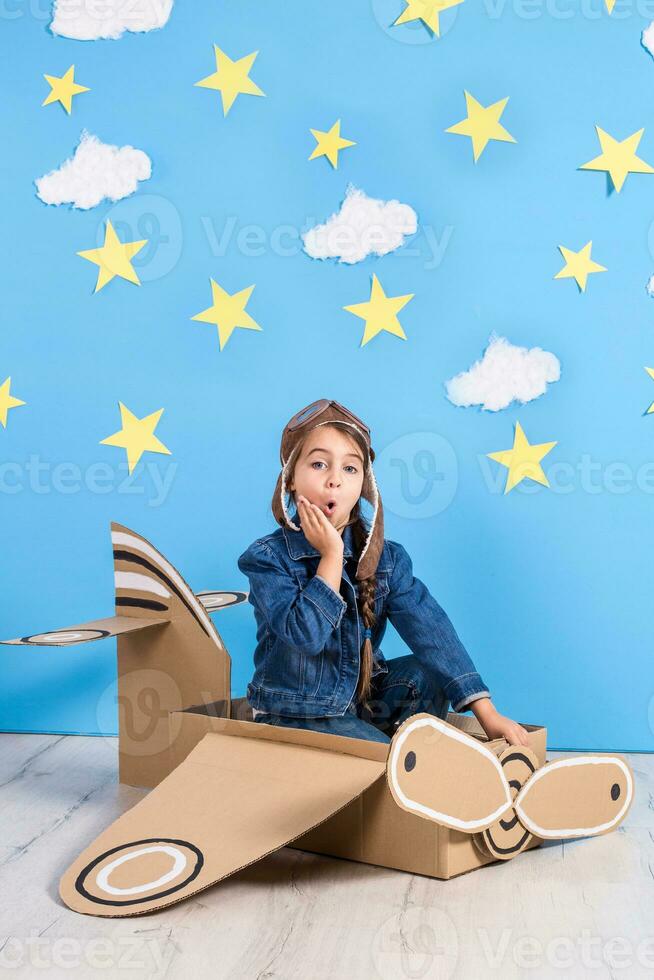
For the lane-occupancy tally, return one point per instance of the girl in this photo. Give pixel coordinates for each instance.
(323, 587)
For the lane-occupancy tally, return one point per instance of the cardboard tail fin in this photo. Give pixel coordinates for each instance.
(160, 672)
(182, 662)
(230, 803)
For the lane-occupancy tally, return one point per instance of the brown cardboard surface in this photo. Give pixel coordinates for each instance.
(188, 727)
(231, 802)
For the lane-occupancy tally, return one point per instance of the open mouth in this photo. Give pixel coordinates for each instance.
(329, 507)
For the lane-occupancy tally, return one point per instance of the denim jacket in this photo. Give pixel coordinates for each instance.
(309, 637)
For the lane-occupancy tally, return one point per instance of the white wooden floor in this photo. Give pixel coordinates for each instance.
(583, 909)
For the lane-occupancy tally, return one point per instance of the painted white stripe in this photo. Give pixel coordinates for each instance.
(544, 771)
(215, 600)
(63, 636)
(468, 826)
(102, 878)
(143, 583)
(129, 541)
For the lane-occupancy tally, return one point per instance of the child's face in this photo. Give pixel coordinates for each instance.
(329, 468)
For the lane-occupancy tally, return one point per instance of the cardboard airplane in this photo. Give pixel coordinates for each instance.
(439, 800)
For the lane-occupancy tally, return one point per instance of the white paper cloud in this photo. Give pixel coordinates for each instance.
(363, 226)
(504, 374)
(96, 171)
(647, 38)
(90, 20)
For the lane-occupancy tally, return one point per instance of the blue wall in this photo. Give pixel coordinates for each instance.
(550, 589)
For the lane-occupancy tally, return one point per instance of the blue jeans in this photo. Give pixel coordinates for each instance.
(396, 695)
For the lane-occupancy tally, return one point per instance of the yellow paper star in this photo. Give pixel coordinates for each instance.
(427, 11)
(63, 89)
(578, 265)
(380, 312)
(7, 401)
(228, 312)
(113, 258)
(231, 78)
(482, 124)
(523, 460)
(136, 436)
(610, 4)
(330, 143)
(618, 158)
(650, 371)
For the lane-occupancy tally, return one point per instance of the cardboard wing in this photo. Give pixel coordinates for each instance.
(230, 803)
(445, 775)
(96, 629)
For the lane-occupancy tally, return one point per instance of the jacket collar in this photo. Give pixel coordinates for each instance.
(299, 547)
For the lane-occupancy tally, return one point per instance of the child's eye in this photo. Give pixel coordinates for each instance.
(349, 466)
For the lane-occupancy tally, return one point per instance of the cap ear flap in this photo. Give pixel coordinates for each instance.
(280, 510)
(443, 774)
(583, 796)
(372, 549)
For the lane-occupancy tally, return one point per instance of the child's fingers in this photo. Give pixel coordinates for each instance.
(312, 510)
(522, 736)
(309, 514)
(318, 514)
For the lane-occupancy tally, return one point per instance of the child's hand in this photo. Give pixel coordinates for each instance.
(317, 529)
(498, 726)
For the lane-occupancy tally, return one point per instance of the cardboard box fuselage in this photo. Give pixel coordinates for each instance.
(371, 828)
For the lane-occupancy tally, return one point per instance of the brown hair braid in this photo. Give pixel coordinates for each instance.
(366, 606)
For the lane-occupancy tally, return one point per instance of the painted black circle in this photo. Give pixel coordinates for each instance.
(410, 761)
(615, 791)
(84, 873)
(85, 635)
